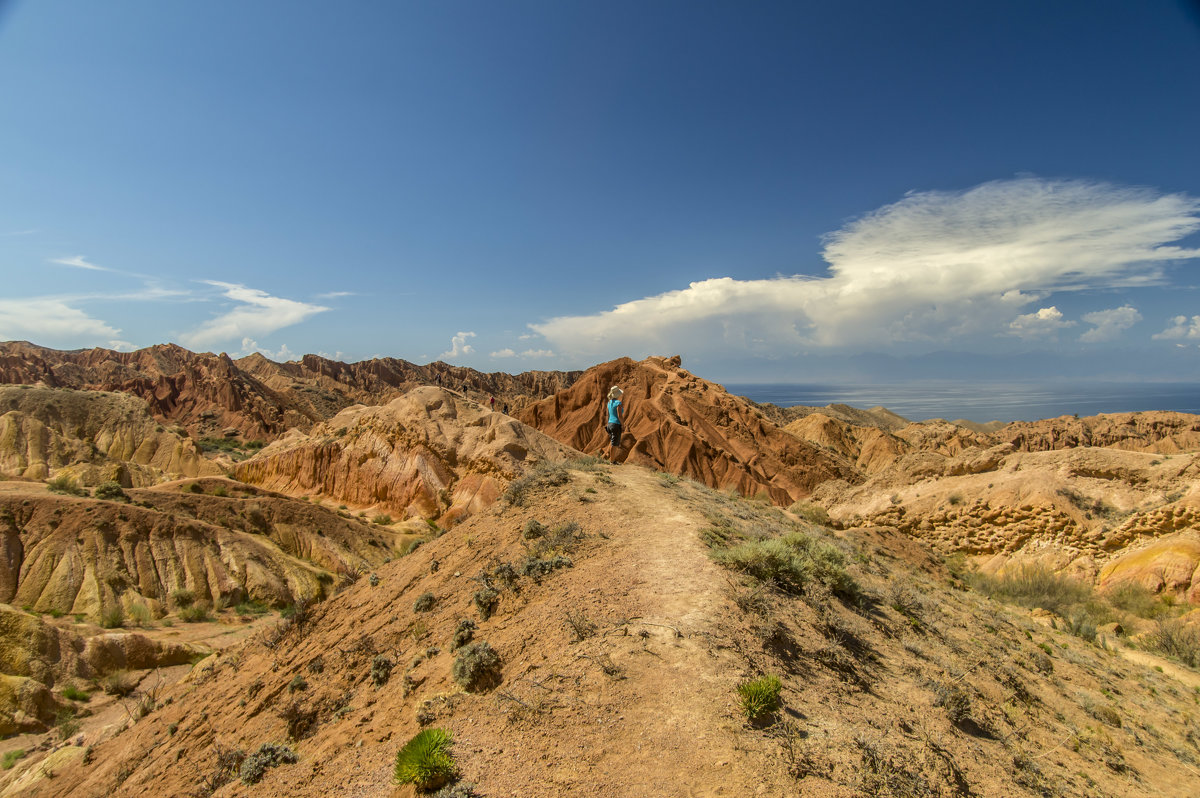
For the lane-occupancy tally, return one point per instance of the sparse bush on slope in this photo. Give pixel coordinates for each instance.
(425, 761)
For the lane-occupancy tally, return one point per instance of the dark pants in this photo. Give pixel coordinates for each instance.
(614, 434)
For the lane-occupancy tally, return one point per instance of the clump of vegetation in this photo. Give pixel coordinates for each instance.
(65, 723)
(11, 758)
(544, 474)
(195, 613)
(955, 700)
(759, 697)
(536, 568)
(1176, 639)
(297, 683)
(381, 670)
(424, 602)
(73, 693)
(463, 633)
(533, 529)
(425, 761)
(112, 617)
(1032, 586)
(111, 491)
(813, 513)
(195, 487)
(268, 755)
(119, 683)
(183, 598)
(790, 562)
(383, 519)
(486, 599)
(140, 614)
(476, 667)
(460, 790)
(251, 608)
(1133, 598)
(65, 485)
(374, 580)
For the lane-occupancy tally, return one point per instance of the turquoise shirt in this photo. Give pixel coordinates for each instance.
(613, 405)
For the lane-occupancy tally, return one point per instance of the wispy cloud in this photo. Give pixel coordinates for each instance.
(257, 313)
(932, 268)
(506, 352)
(1109, 324)
(11, 233)
(538, 353)
(51, 321)
(459, 345)
(1042, 324)
(336, 294)
(79, 262)
(1180, 328)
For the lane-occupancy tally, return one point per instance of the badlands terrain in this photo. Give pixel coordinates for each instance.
(236, 577)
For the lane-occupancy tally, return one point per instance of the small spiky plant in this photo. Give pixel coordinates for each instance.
(760, 696)
(425, 761)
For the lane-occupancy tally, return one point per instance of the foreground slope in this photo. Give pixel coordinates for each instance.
(620, 645)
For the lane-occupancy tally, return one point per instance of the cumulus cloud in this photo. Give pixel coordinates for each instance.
(459, 345)
(79, 262)
(282, 355)
(1180, 328)
(52, 321)
(257, 313)
(1109, 324)
(538, 353)
(1042, 324)
(931, 268)
(506, 352)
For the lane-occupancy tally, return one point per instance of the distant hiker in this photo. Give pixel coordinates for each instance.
(505, 411)
(492, 403)
(615, 416)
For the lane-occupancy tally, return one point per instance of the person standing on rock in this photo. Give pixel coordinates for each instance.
(615, 415)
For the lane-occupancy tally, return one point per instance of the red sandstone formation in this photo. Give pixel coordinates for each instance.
(681, 424)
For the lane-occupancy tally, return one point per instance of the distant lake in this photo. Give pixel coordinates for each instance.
(983, 402)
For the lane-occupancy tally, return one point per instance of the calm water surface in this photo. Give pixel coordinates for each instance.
(984, 402)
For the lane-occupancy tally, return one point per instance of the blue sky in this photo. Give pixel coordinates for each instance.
(776, 191)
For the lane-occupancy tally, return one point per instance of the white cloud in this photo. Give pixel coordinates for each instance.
(250, 346)
(338, 355)
(335, 294)
(51, 321)
(258, 313)
(506, 352)
(459, 345)
(28, 232)
(121, 346)
(1109, 324)
(79, 262)
(931, 268)
(537, 353)
(1044, 323)
(1181, 327)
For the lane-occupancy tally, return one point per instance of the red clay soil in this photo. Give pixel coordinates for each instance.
(681, 424)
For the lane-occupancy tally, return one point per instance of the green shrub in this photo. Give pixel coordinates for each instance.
(111, 491)
(1032, 586)
(425, 761)
(220, 490)
(195, 488)
(113, 617)
(251, 608)
(790, 562)
(424, 602)
(759, 697)
(140, 615)
(64, 484)
(297, 683)
(533, 529)
(813, 513)
(476, 667)
(1176, 639)
(381, 670)
(183, 598)
(463, 633)
(268, 755)
(119, 683)
(195, 613)
(73, 693)
(383, 519)
(65, 723)
(11, 758)
(486, 600)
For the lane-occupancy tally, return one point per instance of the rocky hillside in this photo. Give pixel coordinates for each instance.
(219, 540)
(254, 397)
(584, 639)
(428, 454)
(684, 425)
(91, 437)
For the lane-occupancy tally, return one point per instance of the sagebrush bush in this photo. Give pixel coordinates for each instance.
(111, 491)
(544, 474)
(140, 614)
(195, 613)
(425, 761)
(424, 602)
(268, 755)
(1133, 598)
(381, 670)
(813, 513)
(112, 617)
(183, 598)
(1032, 586)
(790, 562)
(64, 484)
(760, 697)
(485, 601)
(1176, 639)
(476, 667)
(119, 683)
(533, 529)
(463, 633)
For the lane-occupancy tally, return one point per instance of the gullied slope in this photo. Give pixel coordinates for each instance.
(684, 425)
(82, 555)
(620, 645)
(429, 453)
(256, 397)
(93, 436)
